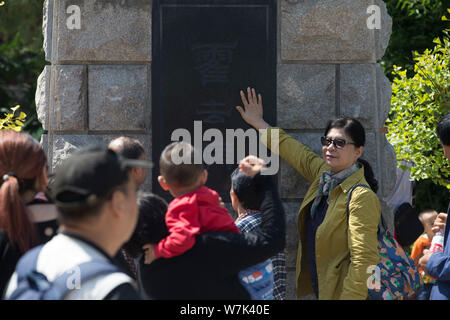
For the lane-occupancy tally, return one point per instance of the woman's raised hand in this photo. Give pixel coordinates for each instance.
(252, 112)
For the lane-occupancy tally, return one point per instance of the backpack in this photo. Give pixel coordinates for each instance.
(399, 278)
(33, 285)
(258, 280)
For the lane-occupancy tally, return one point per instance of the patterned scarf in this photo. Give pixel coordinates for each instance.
(329, 181)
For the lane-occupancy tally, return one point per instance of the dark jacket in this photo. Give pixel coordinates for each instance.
(439, 267)
(210, 269)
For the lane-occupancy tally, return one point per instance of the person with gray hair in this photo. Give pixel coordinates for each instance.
(131, 148)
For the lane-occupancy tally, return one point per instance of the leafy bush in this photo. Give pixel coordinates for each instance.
(13, 122)
(415, 23)
(19, 69)
(21, 58)
(418, 103)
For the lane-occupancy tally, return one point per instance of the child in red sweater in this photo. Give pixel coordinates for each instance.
(196, 209)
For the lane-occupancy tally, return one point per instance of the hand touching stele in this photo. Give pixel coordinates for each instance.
(252, 110)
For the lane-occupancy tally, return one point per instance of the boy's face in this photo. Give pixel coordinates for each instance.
(427, 221)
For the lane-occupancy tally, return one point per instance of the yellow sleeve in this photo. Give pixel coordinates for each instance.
(365, 212)
(297, 155)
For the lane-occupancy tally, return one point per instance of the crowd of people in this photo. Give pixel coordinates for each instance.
(89, 234)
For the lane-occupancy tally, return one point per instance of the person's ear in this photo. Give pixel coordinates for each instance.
(233, 196)
(359, 152)
(163, 183)
(234, 201)
(204, 177)
(118, 202)
(135, 174)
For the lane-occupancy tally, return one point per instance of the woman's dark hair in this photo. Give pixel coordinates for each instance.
(22, 163)
(355, 130)
(151, 226)
(443, 130)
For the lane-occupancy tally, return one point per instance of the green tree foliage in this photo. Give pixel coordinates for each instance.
(418, 103)
(415, 23)
(13, 122)
(21, 58)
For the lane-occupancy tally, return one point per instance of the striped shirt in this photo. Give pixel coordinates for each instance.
(249, 221)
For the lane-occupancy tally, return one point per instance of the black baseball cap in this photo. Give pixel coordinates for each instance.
(89, 175)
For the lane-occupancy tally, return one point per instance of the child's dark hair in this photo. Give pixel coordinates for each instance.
(443, 129)
(355, 130)
(151, 226)
(245, 189)
(177, 164)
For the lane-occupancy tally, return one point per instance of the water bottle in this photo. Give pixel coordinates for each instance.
(437, 244)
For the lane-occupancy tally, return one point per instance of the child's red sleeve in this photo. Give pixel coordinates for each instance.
(183, 225)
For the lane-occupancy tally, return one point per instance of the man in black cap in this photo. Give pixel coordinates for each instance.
(96, 200)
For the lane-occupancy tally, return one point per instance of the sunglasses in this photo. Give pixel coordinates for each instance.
(338, 143)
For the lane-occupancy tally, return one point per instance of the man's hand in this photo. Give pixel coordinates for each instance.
(424, 260)
(149, 255)
(251, 165)
(439, 223)
(252, 113)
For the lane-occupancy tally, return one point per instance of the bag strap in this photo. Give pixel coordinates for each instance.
(86, 271)
(28, 263)
(381, 225)
(26, 270)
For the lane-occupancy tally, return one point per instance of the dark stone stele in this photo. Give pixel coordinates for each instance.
(204, 53)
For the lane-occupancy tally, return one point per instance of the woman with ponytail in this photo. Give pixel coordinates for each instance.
(23, 224)
(334, 252)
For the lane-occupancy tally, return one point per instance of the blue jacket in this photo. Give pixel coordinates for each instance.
(439, 267)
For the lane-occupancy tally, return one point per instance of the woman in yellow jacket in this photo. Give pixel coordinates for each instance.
(334, 253)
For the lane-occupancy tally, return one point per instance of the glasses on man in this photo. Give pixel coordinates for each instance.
(338, 143)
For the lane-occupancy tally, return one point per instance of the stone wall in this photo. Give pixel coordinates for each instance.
(97, 85)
